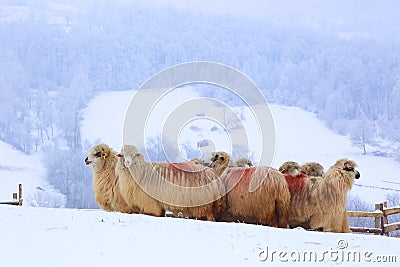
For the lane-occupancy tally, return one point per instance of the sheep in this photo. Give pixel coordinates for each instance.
(267, 205)
(290, 167)
(319, 203)
(197, 161)
(244, 163)
(182, 188)
(312, 169)
(309, 168)
(219, 161)
(105, 183)
(133, 194)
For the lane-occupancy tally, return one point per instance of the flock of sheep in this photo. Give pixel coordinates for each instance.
(219, 189)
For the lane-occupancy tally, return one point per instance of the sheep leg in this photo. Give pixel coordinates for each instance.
(345, 227)
(210, 217)
(338, 224)
(282, 213)
(103, 204)
(158, 212)
(317, 223)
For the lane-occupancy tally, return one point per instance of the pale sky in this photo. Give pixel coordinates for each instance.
(360, 18)
(377, 19)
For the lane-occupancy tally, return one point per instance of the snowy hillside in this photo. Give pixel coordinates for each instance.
(63, 237)
(300, 136)
(17, 167)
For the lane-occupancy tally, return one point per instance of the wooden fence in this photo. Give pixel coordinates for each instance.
(16, 198)
(381, 213)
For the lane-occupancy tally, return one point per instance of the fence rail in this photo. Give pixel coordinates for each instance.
(16, 198)
(381, 213)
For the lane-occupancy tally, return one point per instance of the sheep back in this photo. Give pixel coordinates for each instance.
(267, 205)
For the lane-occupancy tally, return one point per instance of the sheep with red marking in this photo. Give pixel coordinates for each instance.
(182, 188)
(319, 203)
(257, 195)
(105, 183)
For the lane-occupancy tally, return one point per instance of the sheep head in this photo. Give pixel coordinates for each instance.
(130, 154)
(348, 166)
(98, 155)
(244, 163)
(219, 161)
(290, 167)
(312, 169)
(197, 161)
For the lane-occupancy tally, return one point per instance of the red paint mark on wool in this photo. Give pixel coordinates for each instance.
(184, 166)
(240, 178)
(185, 174)
(296, 183)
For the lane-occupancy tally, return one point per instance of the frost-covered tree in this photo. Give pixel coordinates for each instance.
(161, 149)
(67, 172)
(362, 132)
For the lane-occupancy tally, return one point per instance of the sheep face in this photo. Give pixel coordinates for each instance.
(217, 158)
(244, 163)
(348, 166)
(97, 156)
(128, 161)
(197, 161)
(130, 153)
(312, 169)
(290, 167)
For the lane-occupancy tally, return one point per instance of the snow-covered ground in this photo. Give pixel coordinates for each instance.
(66, 237)
(300, 136)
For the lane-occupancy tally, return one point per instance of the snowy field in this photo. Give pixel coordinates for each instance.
(64, 237)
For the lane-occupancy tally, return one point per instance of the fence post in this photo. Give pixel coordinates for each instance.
(377, 220)
(385, 217)
(20, 195)
(381, 219)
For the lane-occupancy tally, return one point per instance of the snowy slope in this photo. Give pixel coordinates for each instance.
(64, 237)
(17, 167)
(300, 136)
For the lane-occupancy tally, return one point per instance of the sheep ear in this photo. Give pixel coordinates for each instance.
(118, 155)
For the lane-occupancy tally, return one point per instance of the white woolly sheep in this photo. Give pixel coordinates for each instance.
(105, 183)
(182, 188)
